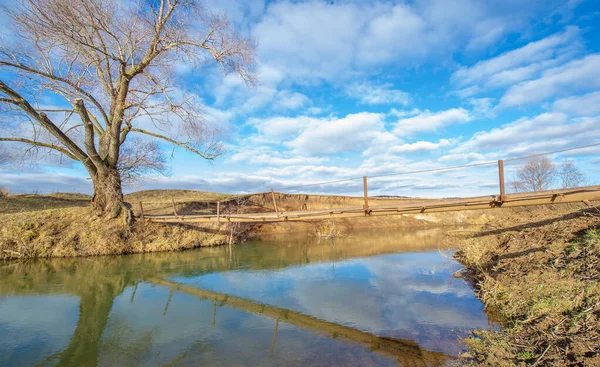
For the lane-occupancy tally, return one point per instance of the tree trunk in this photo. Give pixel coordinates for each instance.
(94, 308)
(108, 194)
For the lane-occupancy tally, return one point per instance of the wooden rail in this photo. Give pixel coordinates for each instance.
(590, 193)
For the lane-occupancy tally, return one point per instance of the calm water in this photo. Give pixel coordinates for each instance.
(372, 298)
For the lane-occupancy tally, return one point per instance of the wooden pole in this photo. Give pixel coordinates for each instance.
(174, 209)
(274, 202)
(274, 337)
(366, 196)
(214, 312)
(168, 302)
(141, 211)
(501, 177)
(218, 212)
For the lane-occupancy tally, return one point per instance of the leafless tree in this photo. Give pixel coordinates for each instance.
(78, 77)
(140, 158)
(570, 176)
(516, 185)
(538, 174)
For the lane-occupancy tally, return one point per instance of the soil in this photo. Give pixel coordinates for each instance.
(540, 272)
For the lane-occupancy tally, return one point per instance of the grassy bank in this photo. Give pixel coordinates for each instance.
(29, 229)
(543, 280)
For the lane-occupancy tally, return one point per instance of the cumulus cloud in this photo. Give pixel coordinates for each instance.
(353, 133)
(265, 155)
(289, 100)
(281, 128)
(428, 121)
(420, 146)
(372, 94)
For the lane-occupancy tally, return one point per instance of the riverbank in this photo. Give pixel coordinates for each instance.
(70, 232)
(542, 278)
(62, 224)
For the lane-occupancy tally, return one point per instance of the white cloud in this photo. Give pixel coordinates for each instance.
(519, 64)
(353, 133)
(371, 94)
(587, 104)
(288, 100)
(44, 183)
(552, 130)
(316, 40)
(462, 157)
(265, 155)
(574, 76)
(482, 107)
(385, 29)
(282, 128)
(404, 113)
(430, 122)
(420, 146)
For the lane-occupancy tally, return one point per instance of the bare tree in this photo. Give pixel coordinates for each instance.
(516, 185)
(79, 77)
(538, 174)
(140, 158)
(570, 176)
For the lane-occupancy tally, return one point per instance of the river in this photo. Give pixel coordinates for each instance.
(380, 298)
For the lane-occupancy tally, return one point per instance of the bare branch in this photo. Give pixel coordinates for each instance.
(538, 174)
(204, 154)
(42, 144)
(140, 158)
(43, 119)
(114, 62)
(570, 176)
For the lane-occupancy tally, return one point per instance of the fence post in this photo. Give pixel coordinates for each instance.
(218, 212)
(141, 211)
(174, 209)
(501, 177)
(366, 196)
(274, 202)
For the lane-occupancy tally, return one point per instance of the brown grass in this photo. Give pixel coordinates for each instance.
(32, 202)
(543, 279)
(77, 231)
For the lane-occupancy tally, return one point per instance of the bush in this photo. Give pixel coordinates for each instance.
(4, 193)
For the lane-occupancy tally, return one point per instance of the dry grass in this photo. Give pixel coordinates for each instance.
(79, 232)
(543, 280)
(32, 202)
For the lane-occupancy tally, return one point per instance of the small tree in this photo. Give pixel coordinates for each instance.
(77, 78)
(570, 176)
(538, 174)
(516, 186)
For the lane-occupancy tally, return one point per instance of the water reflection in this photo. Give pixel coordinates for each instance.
(363, 299)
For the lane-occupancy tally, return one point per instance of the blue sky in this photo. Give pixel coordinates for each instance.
(353, 88)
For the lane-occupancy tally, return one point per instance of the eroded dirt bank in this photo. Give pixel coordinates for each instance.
(540, 273)
(469, 218)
